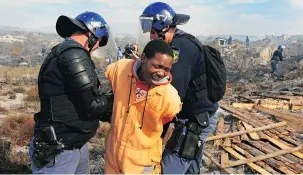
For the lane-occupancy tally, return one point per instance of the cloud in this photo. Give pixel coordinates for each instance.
(207, 16)
(27, 3)
(296, 4)
(245, 1)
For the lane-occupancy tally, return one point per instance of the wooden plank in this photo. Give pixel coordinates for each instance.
(249, 130)
(294, 121)
(238, 156)
(227, 142)
(208, 155)
(268, 158)
(235, 139)
(291, 157)
(253, 135)
(224, 158)
(260, 162)
(267, 105)
(219, 130)
(263, 147)
(240, 127)
(282, 146)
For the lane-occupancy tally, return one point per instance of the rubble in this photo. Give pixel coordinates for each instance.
(264, 134)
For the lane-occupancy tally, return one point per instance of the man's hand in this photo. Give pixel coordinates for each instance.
(134, 55)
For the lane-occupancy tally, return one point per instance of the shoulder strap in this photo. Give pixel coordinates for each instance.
(197, 87)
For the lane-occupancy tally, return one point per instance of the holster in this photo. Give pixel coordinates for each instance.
(176, 140)
(46, 146)
(185, 139)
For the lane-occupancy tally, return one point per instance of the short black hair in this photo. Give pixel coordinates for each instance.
(157, 46)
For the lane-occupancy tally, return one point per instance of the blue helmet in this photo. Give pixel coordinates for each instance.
(159, 15)
(86, 21)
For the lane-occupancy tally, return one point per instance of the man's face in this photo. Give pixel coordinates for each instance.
(155, 69)
(135, 46)
(154, 35)
(96, 46)
(168, 35)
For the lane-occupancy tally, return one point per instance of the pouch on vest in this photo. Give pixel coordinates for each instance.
(190, 146)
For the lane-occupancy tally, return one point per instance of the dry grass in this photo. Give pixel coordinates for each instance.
(19, 75)
(3, 110)
(18, 128)
(16, 72)
(10, 94)
(13, 163)
(19, 90)
(32, 95)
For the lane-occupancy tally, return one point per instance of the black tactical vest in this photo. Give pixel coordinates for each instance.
(56, 106)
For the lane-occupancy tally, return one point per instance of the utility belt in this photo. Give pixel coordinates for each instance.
(275, 58)
(185, 139)
(47, 146)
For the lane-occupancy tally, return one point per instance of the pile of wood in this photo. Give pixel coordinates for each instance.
(261, 136)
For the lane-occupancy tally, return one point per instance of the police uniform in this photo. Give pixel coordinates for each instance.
(183, 151)
(71, 106)
(189, 64)
(277, 56)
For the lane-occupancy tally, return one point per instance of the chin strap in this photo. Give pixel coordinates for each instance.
(92, 40)
(161, 33)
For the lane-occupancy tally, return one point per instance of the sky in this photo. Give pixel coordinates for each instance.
(208, 17)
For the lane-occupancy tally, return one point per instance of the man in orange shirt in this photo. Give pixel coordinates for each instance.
(144, 101)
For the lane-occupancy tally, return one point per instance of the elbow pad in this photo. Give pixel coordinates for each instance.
(102, 106)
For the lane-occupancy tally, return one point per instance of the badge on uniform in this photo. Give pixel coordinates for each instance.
(176, 53)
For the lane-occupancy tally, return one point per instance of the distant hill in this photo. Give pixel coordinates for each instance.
(234, 37)
(46, 29)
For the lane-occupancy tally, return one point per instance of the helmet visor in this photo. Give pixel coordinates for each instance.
(146, 23)
(102, 33)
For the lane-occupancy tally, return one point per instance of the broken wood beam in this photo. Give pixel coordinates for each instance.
(262, 147)
(289, 106)
(291, 157)
(246, 131)
(274, 97)
(286, 138)
(240, 127)
(224, 158)
(227, 142)
(259, 162)
(269, 121)
(208, 155)
(235, 139)
(219, 130)
(247, 98)
(244, 116)
(239, 156)
(252, 135)
(280, 145)
(268, 158)
(255, 123)
(294, 121)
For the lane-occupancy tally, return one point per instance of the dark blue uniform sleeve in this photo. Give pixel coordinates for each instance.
(183, 70)
(278, 54)
(190, 65)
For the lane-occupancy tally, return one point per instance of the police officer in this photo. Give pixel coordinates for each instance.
(197, 119)
(70, 98)
(276, 58)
